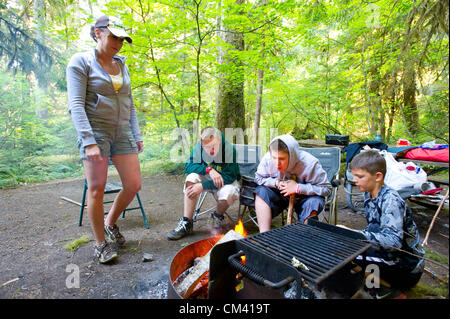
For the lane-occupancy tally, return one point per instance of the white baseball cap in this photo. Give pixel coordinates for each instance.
(114, 25)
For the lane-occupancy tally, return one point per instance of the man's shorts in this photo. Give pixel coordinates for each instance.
(229, 192)
(277, 202)
(111, 139)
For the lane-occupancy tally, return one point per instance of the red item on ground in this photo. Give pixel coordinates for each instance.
(403, 142)
(441, 155)
(401, 296)
(432, 191)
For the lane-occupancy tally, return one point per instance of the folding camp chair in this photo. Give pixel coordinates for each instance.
(330, 159)
(199, 204)
(355, 198)
(248, 157)
(111, 188)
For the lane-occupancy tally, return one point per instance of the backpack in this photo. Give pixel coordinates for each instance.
(410, 244)
(354, 149)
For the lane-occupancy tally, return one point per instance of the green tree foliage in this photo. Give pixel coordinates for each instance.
(19, 48)
(306, 67)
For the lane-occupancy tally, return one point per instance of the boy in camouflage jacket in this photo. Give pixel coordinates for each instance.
(396, 247)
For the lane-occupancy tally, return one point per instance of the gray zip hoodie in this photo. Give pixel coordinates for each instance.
(91, 97)
(307, 169)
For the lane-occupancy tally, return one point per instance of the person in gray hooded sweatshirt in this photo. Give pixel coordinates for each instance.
(275, 179)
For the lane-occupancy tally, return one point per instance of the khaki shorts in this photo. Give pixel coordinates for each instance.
(112, 140)
(229, 192)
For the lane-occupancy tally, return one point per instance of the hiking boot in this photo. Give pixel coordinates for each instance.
(185, 227)
(113, 234)
(217, 223)
(104, 252)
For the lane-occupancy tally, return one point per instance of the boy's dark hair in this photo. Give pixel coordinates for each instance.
(371, 161)
(278, 146)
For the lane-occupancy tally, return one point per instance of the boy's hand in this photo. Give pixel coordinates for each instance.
(216, 178)
(288, 188)
(193, 190)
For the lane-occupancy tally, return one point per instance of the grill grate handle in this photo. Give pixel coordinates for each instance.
(246, 271)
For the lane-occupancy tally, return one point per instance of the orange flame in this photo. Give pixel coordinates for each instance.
(239, 228)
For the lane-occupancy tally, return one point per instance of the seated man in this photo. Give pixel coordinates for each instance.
(212, 166)
(396, 248)
(274, 175)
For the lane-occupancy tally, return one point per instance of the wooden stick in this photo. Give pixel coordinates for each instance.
(194, 285)
(291, 204)
(290, 209)
(10, 281)
(70, 201)
(377, 278)
(443, 235)
(425, 241)
(434, 275)
(407, 252)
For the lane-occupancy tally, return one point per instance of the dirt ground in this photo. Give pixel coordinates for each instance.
(36, 223)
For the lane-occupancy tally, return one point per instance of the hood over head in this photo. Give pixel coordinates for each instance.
(292, 145)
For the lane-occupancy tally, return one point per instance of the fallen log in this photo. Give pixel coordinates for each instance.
(197, 272)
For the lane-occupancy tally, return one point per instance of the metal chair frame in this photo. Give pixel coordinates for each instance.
(110, 188)
(355, 198)
(248, 159)
(330, 160)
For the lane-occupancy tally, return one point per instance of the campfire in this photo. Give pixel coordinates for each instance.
(294, 261)
(193, 282)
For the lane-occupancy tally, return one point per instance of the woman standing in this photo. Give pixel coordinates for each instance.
(102, 110)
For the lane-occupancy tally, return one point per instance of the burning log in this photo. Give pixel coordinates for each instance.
(186, 285)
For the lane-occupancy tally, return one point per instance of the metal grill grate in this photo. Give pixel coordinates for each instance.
(322, 251)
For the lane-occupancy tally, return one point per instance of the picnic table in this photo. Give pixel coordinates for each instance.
(423, 201)
(317, 143)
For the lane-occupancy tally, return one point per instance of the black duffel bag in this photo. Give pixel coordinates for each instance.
(336, 139)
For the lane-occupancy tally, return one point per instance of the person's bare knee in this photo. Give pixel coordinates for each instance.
(260, 202)
(189, 184)
(96, 191)
(263, 214)
(133, 187)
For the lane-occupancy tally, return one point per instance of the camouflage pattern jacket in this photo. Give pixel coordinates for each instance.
(390, 224)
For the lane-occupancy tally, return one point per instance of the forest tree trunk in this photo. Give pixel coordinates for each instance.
(259, 92)
(410, 113)
(377, 118)
(230, 108)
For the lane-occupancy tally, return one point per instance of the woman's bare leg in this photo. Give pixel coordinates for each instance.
(127, 166)
(96, 175)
